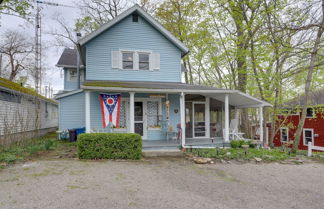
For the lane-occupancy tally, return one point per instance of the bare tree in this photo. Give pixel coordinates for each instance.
(97, 12)
(319, 25)
(16, 47)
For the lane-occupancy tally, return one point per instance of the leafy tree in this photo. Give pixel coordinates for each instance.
(15, 8)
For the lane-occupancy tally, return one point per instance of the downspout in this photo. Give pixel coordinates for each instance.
(78, 60)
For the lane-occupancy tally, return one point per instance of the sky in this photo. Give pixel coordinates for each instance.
(52, 53)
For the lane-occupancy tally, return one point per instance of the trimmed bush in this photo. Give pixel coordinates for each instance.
(237, 143)
(109, 146)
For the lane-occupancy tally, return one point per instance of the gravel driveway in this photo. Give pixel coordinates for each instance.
(160, 183)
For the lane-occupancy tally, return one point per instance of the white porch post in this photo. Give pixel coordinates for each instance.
(207, 117)
(87, 111)
(261, 123)
(131, 112)
(226, 137)
(183, 119)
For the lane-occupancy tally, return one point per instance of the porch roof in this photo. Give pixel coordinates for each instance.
(236, 98)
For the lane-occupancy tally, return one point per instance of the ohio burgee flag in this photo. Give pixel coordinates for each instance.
(110, 109)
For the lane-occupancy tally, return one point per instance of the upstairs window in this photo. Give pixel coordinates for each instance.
(128, 60)
(135, 60)
(144, 61)
(310, 112)
(73, 75)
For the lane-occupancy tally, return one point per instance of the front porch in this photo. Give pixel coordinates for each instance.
(174, 144)
(170, 115)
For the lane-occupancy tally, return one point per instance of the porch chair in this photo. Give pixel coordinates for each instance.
(234, 133)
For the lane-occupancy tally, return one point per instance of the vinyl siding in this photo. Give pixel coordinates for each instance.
(21, 117)
(72, 111)
(69, 85)
(128, 35)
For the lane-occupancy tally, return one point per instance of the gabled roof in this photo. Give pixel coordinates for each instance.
(136, 8)
(315, 97)
(68, 59)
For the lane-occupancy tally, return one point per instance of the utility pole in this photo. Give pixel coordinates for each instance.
(38, 43)
(38, 48)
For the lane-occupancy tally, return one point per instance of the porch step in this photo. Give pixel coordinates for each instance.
(161, 152)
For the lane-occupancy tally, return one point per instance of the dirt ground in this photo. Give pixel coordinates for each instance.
(160, 183)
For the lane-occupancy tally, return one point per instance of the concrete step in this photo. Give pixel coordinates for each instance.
(162, 153)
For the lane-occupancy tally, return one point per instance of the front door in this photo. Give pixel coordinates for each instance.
(199, 129)
(139, 118)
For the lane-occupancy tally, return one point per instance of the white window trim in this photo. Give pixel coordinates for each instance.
(308, 129)
(287, 131)
(135, 59)
(314, 114)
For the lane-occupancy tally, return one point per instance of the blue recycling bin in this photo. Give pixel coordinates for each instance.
(80, 131)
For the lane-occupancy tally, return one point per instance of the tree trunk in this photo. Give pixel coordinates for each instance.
(309, 81)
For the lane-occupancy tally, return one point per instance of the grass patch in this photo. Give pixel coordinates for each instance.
(46, 172)
(236, 154)
(25, 149)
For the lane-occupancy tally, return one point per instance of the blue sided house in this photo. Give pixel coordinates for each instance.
(135, 56)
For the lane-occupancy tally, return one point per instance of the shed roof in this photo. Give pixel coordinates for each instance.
(8, 85)
(236, 98)
(148, 85)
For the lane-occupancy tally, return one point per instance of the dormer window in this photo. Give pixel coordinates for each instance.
(144, 61)
(128, 60)
(310, 112)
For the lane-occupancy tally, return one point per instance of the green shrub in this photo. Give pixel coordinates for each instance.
(237, 143)
(251, 144)
(239, 153)
(6, 157)
(48, 144)
(109, 146)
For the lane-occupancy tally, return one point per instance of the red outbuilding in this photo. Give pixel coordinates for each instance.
(313, 129)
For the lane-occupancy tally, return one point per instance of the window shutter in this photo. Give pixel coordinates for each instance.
(135, 61)
(116, 59)
(155, 61)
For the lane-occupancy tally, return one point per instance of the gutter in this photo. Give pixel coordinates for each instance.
(122, 89)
